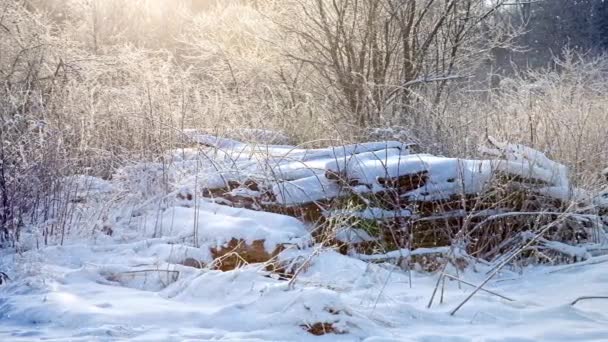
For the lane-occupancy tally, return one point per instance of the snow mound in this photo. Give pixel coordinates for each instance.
(215, 225)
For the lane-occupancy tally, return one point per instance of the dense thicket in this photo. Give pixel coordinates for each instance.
(87, 86)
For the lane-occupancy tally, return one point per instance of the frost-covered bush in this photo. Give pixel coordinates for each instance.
(559, 110)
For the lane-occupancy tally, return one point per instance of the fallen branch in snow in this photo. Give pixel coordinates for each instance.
(482, 289)
(597, 260)
(402, 253)
(504, 263)
(586, 298)
(151, 270)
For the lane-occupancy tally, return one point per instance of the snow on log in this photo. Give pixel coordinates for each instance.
(399, 198)
(249, 236)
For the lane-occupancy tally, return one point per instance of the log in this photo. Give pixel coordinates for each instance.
(237, 253)
(405, 183)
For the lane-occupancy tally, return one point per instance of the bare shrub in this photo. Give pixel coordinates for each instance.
(371, 55)
(560, 111)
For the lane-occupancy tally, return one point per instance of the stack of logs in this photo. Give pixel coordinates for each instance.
(488, 224)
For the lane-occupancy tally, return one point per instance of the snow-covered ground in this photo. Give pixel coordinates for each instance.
(120, 273)
(82, 293)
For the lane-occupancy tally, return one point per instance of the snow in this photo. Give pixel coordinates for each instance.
(348, 150)
(211, 140)
(76, 293)
(296, 175)
(135, 284)
(371, 213)
(565, 193)
(86, 185)
(305, 190)
(299, 169)
(354, 235)
(536, 161)
(215, 225)
(367, 168)
(602, 199)
(574, 251)
(402, 253)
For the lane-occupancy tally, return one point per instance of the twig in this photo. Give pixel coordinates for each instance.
(482, 289)
(417, 81)
(150, 270)
(587, 297)
(305, 264)
(428, 306)
(580, 264)
(442, 289)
